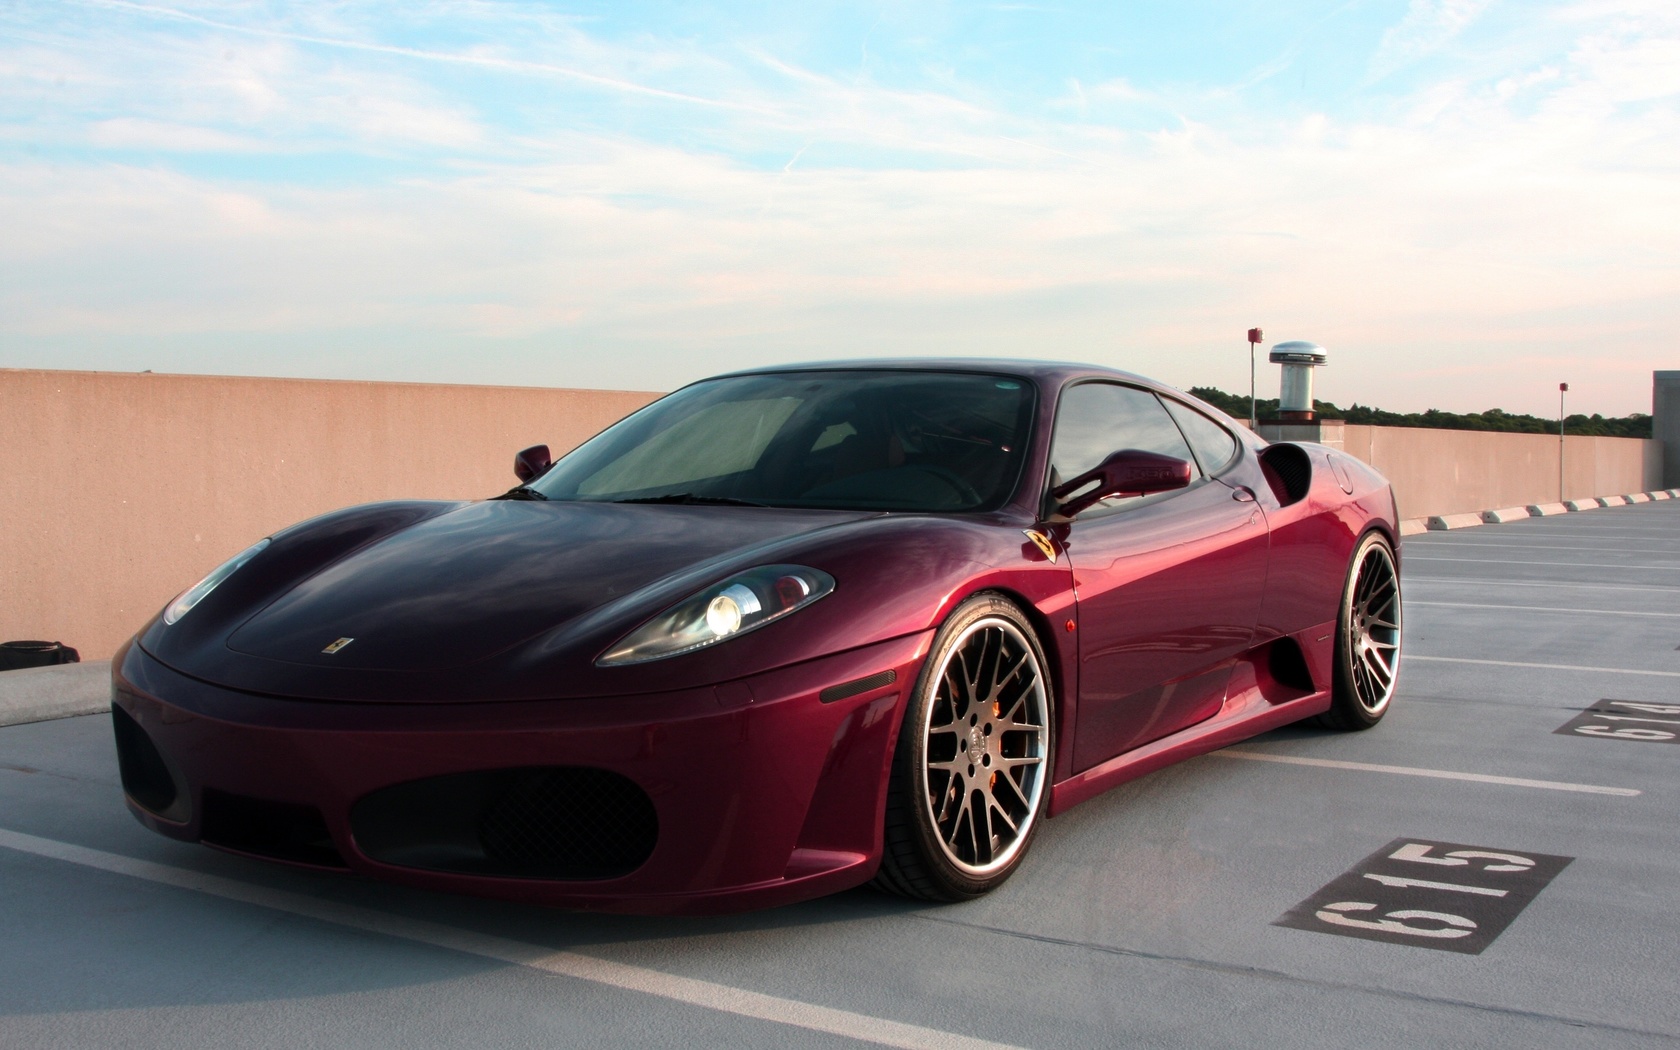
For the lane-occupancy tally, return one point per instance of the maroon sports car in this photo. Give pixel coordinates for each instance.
(780, 633)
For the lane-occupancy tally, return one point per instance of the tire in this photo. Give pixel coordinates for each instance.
(971, 773)
(1368, 636)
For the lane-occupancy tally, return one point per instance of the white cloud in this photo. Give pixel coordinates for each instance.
(1428, 27)
(1498, 230)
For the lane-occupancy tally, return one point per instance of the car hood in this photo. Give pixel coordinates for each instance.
(462, 586)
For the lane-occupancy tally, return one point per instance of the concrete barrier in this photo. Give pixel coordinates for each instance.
(123, 489)
(1582, 504)
(1505, 514)
(1636, 497)
(1436, 472)
(1659, 494)
(1442, 522)
(1612, 501)
(1546, 510)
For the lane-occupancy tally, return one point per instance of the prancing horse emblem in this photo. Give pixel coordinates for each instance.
(336, 646)
(1042, 542)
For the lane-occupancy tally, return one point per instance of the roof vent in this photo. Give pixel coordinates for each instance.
(1298, 358)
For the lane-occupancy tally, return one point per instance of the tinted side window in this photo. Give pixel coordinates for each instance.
(1095, 419)
(1213, 444)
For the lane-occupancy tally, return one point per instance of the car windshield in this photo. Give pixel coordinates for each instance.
(864, 440)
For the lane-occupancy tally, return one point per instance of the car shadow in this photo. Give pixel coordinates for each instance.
(1296, 731)
(80, 939)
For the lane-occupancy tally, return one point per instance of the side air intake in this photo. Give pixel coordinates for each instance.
(1288, 470)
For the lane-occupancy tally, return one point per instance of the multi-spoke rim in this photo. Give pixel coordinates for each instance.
(1373, 629)
(987, 736)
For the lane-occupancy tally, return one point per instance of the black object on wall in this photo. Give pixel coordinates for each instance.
(15, 655)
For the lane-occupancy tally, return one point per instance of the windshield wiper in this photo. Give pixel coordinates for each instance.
(522, 492)
(689, 497)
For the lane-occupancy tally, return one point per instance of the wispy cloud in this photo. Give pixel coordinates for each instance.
(1428, 27)
(484, 61)
(205, 184)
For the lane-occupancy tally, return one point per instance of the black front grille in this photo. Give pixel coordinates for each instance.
(553, 822)
(280, 830)
(145, 776)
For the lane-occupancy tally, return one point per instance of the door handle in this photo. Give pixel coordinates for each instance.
(1242, 494)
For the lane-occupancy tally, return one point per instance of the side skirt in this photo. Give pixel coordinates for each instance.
(1247, 713)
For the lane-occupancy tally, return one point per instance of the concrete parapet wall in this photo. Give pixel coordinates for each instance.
(1665, 422)
(121, 490)
(1443, 472)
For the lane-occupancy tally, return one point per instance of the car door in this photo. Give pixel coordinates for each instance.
(1168, 586)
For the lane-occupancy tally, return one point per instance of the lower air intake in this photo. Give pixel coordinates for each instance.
(145, 776)
(278, 830)
(544, 822)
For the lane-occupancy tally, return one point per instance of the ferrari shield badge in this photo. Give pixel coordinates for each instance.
(336, 646)
(1042, 542)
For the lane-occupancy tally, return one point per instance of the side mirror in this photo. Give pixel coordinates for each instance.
(532, 464)
(1129, 472)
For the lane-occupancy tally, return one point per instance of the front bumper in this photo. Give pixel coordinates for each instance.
(762, 793)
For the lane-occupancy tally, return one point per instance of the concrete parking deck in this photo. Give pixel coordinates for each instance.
(1147, 917)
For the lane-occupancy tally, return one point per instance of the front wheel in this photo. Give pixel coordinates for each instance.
(971, 771)
(1367, 638)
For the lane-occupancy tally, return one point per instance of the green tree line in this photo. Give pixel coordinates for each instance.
(1637, 425)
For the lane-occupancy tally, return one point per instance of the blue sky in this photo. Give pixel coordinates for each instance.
(1466, 201)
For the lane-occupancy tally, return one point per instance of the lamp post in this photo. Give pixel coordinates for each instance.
(1563, 388)
(1254, 337)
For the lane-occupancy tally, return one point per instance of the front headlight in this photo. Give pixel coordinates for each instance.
(742, 603)
(183, 605)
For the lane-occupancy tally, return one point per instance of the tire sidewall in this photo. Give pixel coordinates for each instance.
(1347, 708)
(912, 747)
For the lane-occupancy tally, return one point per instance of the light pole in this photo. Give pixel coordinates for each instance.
(1563, 388)
(1254, 337)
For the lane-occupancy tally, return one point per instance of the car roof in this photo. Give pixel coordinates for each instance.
(1048, 372)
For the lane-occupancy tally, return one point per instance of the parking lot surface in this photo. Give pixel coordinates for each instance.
(1186, 909)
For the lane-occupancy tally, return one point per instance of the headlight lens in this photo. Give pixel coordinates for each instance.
(742, 603)
(183, 605)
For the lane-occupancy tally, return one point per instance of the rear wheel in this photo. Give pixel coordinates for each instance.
(971, 771)
(1367, 638)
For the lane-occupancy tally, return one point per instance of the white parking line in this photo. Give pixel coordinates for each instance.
(1583, 528)
(1540, 608)
(1485, 581)
(687, 990)
(1465, 543)
(1558, 564)
(1413, 771)
(1408, 658)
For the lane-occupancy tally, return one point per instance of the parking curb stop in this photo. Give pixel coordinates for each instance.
(1442, 522)
(1505, 514)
